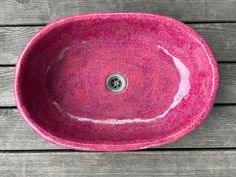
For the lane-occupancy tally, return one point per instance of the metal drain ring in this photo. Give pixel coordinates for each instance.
(116, 82)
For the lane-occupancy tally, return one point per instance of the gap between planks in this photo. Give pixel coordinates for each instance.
(44, 24)
(141, 150)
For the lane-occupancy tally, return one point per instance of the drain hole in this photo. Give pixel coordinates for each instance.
(116, 82)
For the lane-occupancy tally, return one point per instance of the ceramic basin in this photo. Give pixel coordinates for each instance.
(170, 79)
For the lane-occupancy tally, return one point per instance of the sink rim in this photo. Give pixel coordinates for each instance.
(111, 147)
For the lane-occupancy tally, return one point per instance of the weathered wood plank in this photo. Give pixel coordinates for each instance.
(6, 86)
(226, 93)
(218, 131)
(12, 41)
(163, 163)
(43, 11)
(227, 87)
(221, 38)
(16, 134)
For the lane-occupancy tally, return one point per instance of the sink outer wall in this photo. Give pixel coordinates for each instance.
(52, 123)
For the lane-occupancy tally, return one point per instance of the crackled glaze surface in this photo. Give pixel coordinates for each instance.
(60, 81)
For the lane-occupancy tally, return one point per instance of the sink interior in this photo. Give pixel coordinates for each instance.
(62, 79)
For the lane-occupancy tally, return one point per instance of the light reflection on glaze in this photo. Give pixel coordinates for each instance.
(183, 90)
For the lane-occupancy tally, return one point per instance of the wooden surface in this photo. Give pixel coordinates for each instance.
(126, 164)
(208, 151)
(43, 11)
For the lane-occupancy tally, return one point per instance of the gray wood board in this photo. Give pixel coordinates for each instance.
(122, 164)
(218, 131)
(221, 38)
(226, 93)
(43, 11)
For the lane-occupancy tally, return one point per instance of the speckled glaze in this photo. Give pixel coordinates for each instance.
(60, 81)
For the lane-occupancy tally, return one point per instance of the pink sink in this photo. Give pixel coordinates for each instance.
(115, 81)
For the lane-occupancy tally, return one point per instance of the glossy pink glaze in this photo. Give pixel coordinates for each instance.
(61, 74)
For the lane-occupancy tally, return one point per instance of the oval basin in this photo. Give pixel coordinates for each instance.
(115, 81)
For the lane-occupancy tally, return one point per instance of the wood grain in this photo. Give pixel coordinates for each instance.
(12, 41)
(218, 131)
(6, 86)
(126, 164)
(221, 38)
(226, 93)
(43, 11)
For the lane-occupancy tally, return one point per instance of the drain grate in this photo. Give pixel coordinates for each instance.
(116, 82)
